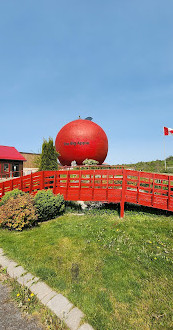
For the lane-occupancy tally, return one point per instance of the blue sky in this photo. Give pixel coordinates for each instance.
(111, 60)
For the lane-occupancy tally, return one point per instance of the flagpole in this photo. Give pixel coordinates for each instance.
(164, 149)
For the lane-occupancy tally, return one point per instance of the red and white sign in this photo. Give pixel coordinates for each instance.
(168, 131)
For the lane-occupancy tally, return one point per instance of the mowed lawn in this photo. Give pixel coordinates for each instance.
(119, 272)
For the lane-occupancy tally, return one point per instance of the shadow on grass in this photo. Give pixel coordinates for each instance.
(71, 206)
(138, 208)
(100, 206)
(146, 209)
(131, 207)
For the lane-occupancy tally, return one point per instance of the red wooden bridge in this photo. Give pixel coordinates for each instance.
(105, 185)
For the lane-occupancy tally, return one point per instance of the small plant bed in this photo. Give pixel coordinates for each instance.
(118, 272)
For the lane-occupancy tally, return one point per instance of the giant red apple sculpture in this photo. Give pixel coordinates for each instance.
(81, 139)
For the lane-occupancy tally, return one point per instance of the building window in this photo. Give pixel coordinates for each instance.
(6, 167)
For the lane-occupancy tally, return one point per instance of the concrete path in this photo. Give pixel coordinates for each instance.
(57, 303)
(10, 316)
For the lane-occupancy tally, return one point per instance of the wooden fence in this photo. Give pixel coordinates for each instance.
(104, 185)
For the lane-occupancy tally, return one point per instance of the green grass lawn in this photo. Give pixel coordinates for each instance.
(118, 272)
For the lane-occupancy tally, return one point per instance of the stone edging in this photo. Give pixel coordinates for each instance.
(57, 303)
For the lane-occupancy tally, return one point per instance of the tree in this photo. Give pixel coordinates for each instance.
(48, 157)
(36, 161)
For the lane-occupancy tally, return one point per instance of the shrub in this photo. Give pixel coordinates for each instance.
(18, 213)
(90, 162)
(48, 205)
(11, 194)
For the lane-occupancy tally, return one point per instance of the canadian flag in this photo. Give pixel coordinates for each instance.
(168, 131)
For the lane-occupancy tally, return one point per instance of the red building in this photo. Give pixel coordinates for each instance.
(11, 162)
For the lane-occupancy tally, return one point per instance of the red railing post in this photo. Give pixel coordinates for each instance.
(123, 194)
(42, 180)
(93, 184)
(21, 183)
(54, 184)
(30, 186)
(169, 192)
(67, 184)
(138, 187)
(2, 189)
(79, 183)
(152, 201)
(107, 186)
(58, 179)
(11, 184)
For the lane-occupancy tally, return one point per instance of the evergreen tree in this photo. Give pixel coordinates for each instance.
(48, 158)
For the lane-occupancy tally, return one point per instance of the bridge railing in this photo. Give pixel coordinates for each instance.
(105, 185)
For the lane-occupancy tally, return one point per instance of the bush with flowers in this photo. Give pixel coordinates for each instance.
(18, 213)
(11, 194)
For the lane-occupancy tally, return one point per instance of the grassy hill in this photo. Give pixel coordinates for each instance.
(153, 166)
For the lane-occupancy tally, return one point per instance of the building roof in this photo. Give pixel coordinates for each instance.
(10, 153)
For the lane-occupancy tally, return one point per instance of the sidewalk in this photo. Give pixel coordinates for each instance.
(56, 302)
(10, 316)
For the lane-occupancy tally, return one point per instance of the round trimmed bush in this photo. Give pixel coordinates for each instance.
(18, 213)
(48, 205)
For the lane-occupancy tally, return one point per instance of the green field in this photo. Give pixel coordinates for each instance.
(118, 272)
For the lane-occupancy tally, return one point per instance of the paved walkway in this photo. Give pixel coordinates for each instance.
(10, 316)
(57, 303)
